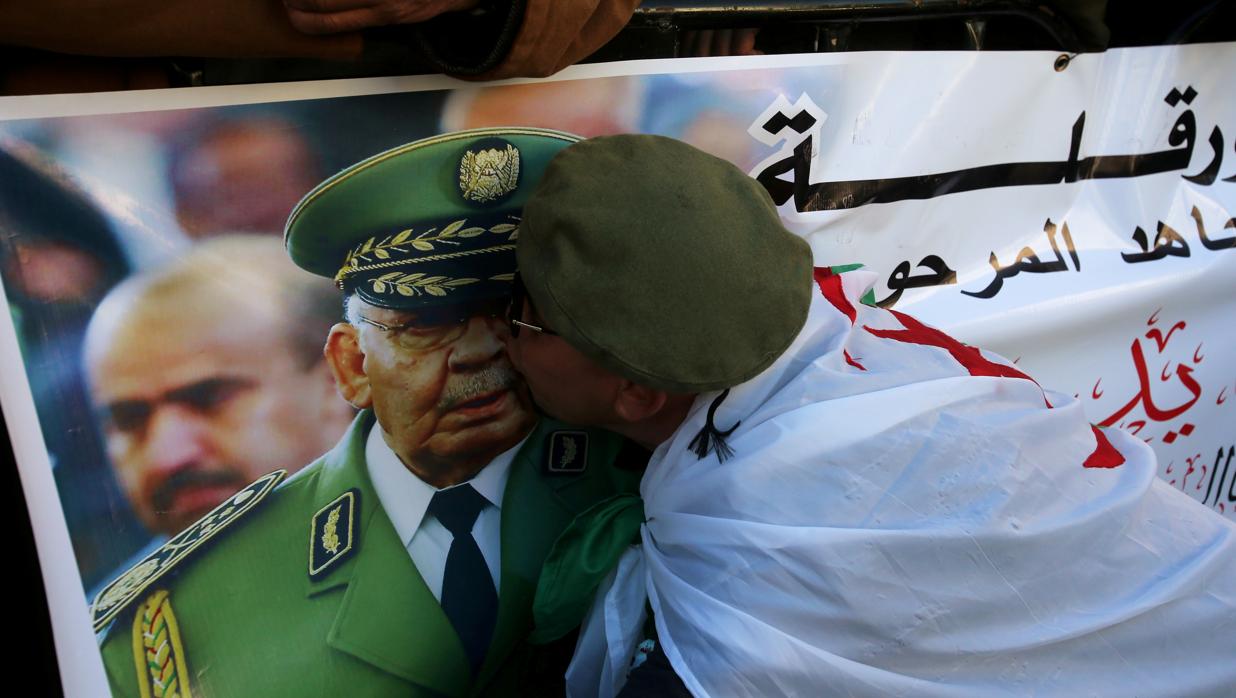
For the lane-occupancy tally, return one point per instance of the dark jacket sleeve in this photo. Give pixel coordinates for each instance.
(88, 45)
(504, 38)
(470, 43)
(553, 34)
(219, 28)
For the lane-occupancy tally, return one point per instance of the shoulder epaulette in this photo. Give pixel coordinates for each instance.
(123, 590)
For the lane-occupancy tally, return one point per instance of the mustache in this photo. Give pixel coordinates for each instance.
(491, 379)
(162, 497)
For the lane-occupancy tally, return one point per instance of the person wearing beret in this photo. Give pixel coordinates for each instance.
(840, 499)
(404, 561)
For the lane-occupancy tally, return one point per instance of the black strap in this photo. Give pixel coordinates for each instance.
(710, 438)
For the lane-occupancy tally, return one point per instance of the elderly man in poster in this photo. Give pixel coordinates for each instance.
(840, 500)
(404, 561)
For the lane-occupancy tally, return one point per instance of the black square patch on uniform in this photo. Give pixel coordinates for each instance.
(332, 533)
(568, 453)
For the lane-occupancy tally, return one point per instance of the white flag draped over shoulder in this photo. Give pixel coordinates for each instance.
(905, 516)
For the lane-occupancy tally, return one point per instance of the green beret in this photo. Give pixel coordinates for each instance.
(427, 223)
(662, 263)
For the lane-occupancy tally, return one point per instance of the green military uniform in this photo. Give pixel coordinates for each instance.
(304, 588)
(251, 622)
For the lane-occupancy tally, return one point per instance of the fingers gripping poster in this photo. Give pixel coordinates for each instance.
(1075, 215)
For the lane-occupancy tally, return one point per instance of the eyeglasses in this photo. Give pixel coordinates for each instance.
(432, 328)
(516, 310)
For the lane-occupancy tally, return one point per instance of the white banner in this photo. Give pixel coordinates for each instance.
(1079, 221)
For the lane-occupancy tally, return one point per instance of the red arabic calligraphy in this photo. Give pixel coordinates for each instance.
(1144, 397)
(1158, 337)
(1191, 460)
(1156, 411)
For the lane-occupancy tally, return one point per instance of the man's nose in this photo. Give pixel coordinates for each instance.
(176, 437)
(483, 341)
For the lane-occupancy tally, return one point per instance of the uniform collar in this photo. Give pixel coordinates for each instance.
(406, 639)
(405, 497)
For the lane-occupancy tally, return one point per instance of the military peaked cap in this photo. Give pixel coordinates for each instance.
(427, 223)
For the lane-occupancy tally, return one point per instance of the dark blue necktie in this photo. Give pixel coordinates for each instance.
(468, 595)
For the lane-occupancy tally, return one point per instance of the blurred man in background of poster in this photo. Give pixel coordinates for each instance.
(59, 254)
(260, 165)
(200, 389)
(586, 107)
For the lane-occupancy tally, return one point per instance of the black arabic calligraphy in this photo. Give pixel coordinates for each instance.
(827, 196)
(1169, 242)
(1028, 261)
(900, 279)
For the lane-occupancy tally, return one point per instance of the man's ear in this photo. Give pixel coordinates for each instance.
(636, 403)
(347, 365)
(330, 409)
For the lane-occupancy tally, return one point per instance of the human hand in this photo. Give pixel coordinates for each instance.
(337, 16)
(719, 42)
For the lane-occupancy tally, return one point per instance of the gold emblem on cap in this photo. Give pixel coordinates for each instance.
(489, 174)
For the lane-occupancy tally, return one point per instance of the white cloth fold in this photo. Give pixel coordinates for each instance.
(892, 525)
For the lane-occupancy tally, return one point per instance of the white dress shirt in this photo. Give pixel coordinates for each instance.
(406, 497)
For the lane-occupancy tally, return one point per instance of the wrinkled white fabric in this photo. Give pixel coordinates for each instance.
(611, 632)
(909, 529)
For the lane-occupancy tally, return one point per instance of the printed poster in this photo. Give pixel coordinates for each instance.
(1076, 219)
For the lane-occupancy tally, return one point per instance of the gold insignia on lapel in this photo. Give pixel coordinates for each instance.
(486, 175)
(162, 671)
(330, 537)
(118, 594)
(332, 533)
(568, 452)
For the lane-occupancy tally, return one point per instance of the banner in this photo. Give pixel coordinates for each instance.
(1076, 220)
(1074, 214)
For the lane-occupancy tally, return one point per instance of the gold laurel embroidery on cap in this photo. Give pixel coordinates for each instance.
(377, 254)
(158, 653)
(417, 284)
(486, 175)
(117, 595)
